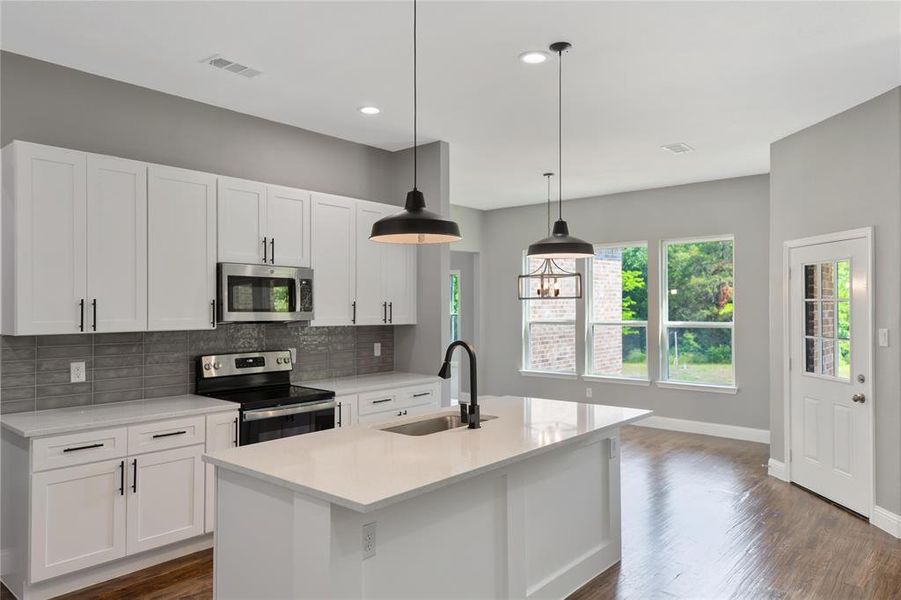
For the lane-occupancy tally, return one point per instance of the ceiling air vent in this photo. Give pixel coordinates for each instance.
(678, 148)
(231, 66)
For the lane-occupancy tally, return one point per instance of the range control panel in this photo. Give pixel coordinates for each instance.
(222, 365)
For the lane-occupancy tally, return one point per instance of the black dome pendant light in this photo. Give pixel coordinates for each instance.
(560, 244)
(414, 224)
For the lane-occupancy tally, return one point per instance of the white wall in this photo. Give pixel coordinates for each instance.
(732, 206)
(843, 173)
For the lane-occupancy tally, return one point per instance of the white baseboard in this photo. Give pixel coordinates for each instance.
(715, 429)
(776, 468)
(887, 521)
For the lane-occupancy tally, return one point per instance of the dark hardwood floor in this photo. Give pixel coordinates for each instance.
(701, 520)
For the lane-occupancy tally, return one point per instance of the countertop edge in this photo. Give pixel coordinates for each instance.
(379, 504)
(351, 386)
(118, 422)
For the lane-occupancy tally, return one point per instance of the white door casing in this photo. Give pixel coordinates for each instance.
(829, 412)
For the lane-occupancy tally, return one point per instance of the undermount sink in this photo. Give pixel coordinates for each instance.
(432, 425)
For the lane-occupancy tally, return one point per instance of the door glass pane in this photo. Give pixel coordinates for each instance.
(827, 280)
(844, 359)
(619, 351)
(843, 281)
(844, 320)
(700, 355)
(811, 355)
(827, 318)
(811, 322)
(827, 353)
(811, 289)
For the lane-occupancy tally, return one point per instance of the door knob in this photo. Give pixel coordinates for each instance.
(859, 397)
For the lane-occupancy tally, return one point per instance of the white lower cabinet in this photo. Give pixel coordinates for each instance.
(77, 518)
(165, 498)
(222, 431)
(386, 405)
(346, 409)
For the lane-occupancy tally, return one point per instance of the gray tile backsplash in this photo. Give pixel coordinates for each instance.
(34, 370)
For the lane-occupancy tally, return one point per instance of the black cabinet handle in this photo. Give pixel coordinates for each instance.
(213, 311)
(353, 305)
(122, 478)
(236, 431)
(391, 312)
(170, 434)
(421, 394)
(381, 401)
(81, 319)
(384, 312)
(134, 476)
(405, 412)
(88, 447)
(265, 248)
(272, 258)
(339, 414)
(94, 308)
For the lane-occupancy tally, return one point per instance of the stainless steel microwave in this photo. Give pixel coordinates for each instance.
(254, 293)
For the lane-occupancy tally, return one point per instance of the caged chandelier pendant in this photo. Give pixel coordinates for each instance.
(550, 281)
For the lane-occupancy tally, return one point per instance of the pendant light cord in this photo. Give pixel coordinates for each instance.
(560, 132)
(549, 175)
(415, 138)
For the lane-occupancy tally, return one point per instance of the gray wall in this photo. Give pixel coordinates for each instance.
(843, 173)
(131, 366)
(732, 206)
(49, 104)
(470, 221)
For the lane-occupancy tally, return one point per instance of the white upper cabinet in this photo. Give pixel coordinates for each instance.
(399, 283)
(261, 223)
(181, 252)
(333, 259)
(116, 244)
(44, 222)
(242, 221)
(288, 225)
(372, 305)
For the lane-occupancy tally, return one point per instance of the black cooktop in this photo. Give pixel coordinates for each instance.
(272, 396)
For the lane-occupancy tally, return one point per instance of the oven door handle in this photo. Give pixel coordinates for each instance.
(295, 409)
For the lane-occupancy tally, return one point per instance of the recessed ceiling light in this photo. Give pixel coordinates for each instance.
(678, 148)
(370, 110)
(533, 57)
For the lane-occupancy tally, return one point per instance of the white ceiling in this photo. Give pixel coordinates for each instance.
(728, 78)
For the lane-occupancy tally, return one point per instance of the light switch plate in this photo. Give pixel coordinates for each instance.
(377, 349)
(588, 392)
(76, 372)
(883, 338)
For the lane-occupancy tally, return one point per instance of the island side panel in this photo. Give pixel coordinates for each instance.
(270, 543)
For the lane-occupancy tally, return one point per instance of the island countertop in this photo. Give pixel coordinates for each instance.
(364, 468)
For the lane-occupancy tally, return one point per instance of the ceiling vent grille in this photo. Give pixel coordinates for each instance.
(678, 148)
(220, 62)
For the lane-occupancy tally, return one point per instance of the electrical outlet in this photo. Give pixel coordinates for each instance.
(377, 349)
(368, 540)
(76, 372)
(293, 352)
(883, 338)
(588, 392)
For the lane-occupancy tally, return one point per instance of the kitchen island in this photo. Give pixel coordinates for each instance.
(526, 506)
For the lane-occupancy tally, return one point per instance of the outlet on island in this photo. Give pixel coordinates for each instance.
(377, 349)
(76, 372)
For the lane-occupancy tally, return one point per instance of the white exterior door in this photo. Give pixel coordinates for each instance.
(333, 259)
(288, 218)
(181, 253)
(116, 244)
(165, 498)
(77, 518)
(372, 303)
(221, 432)
(831, 408)
(50, 235)
(242, 221)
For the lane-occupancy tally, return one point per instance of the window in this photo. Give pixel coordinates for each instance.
(697, 302)
(454, 306)
(827, 319)
(617, 312)
(549, 328)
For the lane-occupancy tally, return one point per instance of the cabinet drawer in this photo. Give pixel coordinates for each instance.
(162, 435)
(414, 396)
(78, 448)
(373, 402)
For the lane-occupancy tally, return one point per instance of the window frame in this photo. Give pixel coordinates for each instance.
(587, 373)
(458, 314)
(525, 358)
(665, 325)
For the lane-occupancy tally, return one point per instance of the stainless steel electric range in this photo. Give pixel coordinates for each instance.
(260, 382)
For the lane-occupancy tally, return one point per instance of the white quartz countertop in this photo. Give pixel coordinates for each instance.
(370, 383)
(364, 468)
(65, 420)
